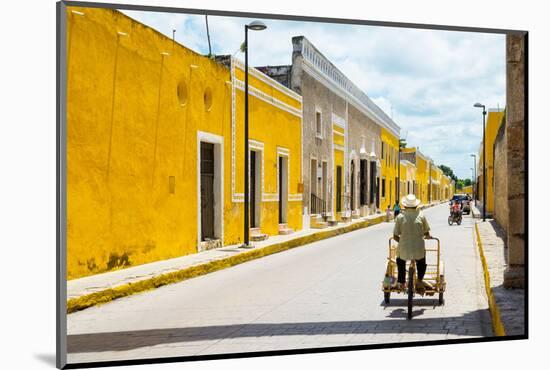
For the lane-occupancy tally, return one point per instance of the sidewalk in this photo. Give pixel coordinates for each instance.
(476, 213)
(102, 288)
(509, 303)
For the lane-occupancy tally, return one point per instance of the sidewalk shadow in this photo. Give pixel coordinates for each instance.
(402, 302)
(128, 340)
(401, 313)
(501, 234)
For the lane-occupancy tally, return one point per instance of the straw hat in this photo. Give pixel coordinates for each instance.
(410, 201)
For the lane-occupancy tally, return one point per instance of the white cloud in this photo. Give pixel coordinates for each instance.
(430, 78)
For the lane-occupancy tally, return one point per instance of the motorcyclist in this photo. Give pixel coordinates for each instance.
(456, 209)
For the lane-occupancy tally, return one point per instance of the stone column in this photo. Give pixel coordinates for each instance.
(515, 157)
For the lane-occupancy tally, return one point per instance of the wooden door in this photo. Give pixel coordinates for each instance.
(372, 181)
(363, 182)
(338, 188)
(207, 191)
(252, 189)
(378, 192)
(281, 184)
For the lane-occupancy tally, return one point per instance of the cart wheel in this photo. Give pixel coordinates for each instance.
(441, 300)
(410, 292)
(386, 297)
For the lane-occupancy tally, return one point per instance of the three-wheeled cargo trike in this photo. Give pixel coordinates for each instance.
(434, 275)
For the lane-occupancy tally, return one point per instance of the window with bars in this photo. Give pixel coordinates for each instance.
(318, 125)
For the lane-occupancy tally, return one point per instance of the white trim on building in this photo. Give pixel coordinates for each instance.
(217, 140)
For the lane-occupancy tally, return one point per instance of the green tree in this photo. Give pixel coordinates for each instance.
(461, 183)
(449, 172)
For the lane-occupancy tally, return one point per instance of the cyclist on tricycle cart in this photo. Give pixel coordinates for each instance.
(410, 231)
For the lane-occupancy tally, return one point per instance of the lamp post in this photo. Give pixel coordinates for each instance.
(402, 144)
(254, 26)
(429, 182)
(479, 105)
(474, 184)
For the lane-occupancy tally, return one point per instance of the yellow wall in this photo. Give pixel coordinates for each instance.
(421, 175)
(408, 176)
(437, 192)
(446, 189)
(467, 190)
(338, 139)
(128, 133)
(338, 135)
(389, 167)
(265, 84)
(276, 130)
(494, 120)
(431, 183)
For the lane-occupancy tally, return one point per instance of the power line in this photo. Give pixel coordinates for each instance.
(208, 36)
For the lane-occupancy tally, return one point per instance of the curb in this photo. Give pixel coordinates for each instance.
(498, 326)
(108, 295)
(426, 206)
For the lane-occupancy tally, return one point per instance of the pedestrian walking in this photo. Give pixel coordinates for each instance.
(388, 214)
(410, 230)
(396, 210)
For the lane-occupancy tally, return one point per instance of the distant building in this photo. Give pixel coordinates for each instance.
(408, 178)
(423, 180)
(495, 118)
(468, 190)
(350, 145)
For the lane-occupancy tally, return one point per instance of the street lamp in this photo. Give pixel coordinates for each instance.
(402, 145)
(479, 105)
(472, 179)
(474, 184)
(254, 26)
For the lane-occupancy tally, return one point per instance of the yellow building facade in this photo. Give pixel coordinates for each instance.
(436, 183)
(338, 186)
(422, 172)
(151, 128)
(422, 177)
(389, 161)
(468, 190)
(275, 139)
(446, 187)
(408, 179)
(492, 125)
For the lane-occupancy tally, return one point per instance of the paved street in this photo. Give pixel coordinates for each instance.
(324, 294)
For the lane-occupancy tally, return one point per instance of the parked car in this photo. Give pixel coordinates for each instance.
(464, 199)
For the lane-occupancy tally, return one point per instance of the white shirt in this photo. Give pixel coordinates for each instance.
(410, 226)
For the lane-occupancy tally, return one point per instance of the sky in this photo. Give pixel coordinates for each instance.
(426, 80)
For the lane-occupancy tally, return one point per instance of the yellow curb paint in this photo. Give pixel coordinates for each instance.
(498, 326)
(107, 295)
